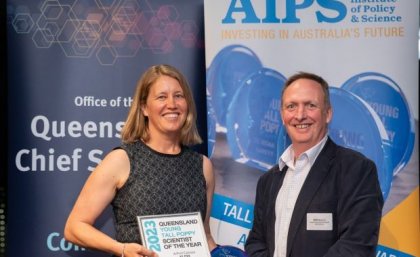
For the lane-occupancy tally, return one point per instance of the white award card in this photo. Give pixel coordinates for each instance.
(174, 235)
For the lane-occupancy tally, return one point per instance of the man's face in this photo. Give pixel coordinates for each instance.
(305, 114)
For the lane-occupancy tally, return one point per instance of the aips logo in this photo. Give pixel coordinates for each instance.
(330, 11)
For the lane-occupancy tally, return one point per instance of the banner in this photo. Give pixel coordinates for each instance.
(366, 50)
(72, 69)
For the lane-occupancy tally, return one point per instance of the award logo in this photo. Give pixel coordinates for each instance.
(227, 251)
(388, 100)
(357, 126)
(253, 119)
(225, 74)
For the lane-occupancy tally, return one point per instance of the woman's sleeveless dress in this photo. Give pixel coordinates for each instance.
(158, 184)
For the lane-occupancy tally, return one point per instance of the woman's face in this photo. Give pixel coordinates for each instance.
(166, 107)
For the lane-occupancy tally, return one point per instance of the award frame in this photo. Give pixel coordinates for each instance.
(174, 235)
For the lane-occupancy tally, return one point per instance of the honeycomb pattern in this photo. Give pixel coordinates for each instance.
(104, 29)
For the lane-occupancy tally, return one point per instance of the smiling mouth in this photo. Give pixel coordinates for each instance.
(171, 115)
(302, 126)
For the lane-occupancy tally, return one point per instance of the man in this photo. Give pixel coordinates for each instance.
(320, 199)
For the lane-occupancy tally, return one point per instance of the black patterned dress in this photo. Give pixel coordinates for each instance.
(158, 184)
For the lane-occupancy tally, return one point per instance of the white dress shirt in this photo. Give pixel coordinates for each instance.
(286, 198)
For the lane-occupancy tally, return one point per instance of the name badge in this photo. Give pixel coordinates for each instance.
(319, 221)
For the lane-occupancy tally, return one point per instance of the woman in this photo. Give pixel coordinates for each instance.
(153, 172)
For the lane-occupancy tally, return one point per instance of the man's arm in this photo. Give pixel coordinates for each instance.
(359, 209)
(256, 244)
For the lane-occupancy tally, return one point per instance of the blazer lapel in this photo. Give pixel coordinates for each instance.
(316, 175)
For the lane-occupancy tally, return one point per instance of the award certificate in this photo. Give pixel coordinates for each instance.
(174, 235)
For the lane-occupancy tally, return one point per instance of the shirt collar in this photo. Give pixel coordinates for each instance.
(311, 154)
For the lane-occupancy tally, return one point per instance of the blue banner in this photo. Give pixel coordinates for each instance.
(72, 69)
(253, 46)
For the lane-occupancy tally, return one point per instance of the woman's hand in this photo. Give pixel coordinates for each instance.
(137, 250)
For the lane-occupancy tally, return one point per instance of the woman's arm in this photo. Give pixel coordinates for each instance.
(210, 184)
(97, 193)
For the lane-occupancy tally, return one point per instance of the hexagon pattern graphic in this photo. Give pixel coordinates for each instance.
(104, 29)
